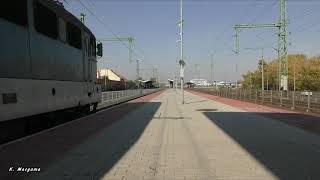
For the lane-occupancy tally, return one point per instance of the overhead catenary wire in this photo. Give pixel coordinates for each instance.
(263, 12)
(302, 16)
(106, 26)
(226, 29)
(140, 50)
(299, 28)
(306, 25)
(66, 2)
(225, 42)
(91, 3)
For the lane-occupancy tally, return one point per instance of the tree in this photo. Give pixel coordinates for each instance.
(306, 72)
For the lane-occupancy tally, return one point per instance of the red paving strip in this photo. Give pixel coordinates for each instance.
(41, 149)
(307, 122)
(247, 106)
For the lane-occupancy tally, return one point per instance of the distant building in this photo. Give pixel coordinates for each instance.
(226, 84)
(221, 83)
(190, 84)
(109, 74)
(111, 80)
(171, 83)
(200, 82)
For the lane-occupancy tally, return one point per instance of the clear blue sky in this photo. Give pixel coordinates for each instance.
(208, 28)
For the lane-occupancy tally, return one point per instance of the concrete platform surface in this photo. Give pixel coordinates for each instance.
(201, 139)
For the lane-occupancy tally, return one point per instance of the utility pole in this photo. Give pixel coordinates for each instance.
(153, 71)
(294, 76)
(267, 78)
(262, 71)
(82, 16)
(105, 79)
(181, 61)
(175, 83)
(282, 25)
(158, 77)
(197, 69)
(138, 72)
(211, 67)
(250, 80)
(236, 75)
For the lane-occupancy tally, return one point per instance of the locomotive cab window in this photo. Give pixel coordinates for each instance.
(45, 20)
(74, 35)
(14, 11)
(62, 30)
(93, 46)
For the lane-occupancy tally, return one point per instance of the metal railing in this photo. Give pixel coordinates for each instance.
(110, 98)
(304, 101)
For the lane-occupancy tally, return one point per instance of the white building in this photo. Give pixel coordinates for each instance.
(221, 83)
(200, 82)
(109, 74)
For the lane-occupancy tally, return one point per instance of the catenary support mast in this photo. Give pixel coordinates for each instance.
(282, 25)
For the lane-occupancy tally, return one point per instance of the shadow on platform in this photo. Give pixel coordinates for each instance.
(86, 148)
(287, 152)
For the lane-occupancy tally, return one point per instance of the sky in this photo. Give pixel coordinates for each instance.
(208, 29)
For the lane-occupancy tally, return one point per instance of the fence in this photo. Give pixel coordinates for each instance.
(304, 101)
(110, 98)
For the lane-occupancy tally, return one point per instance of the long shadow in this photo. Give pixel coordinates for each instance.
(302, 121)
(287, 152)
(85, 148)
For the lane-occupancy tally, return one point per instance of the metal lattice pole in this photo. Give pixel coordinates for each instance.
(283, 45)
(282, 25)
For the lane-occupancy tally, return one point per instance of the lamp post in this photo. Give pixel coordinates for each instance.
(212, 68)
(138, 72)
(105, 78)
(267, 78)
(294, 76)
(181, 61)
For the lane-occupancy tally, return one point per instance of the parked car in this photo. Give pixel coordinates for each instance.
(306, 93)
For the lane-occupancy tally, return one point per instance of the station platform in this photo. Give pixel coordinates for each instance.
(157, 137)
